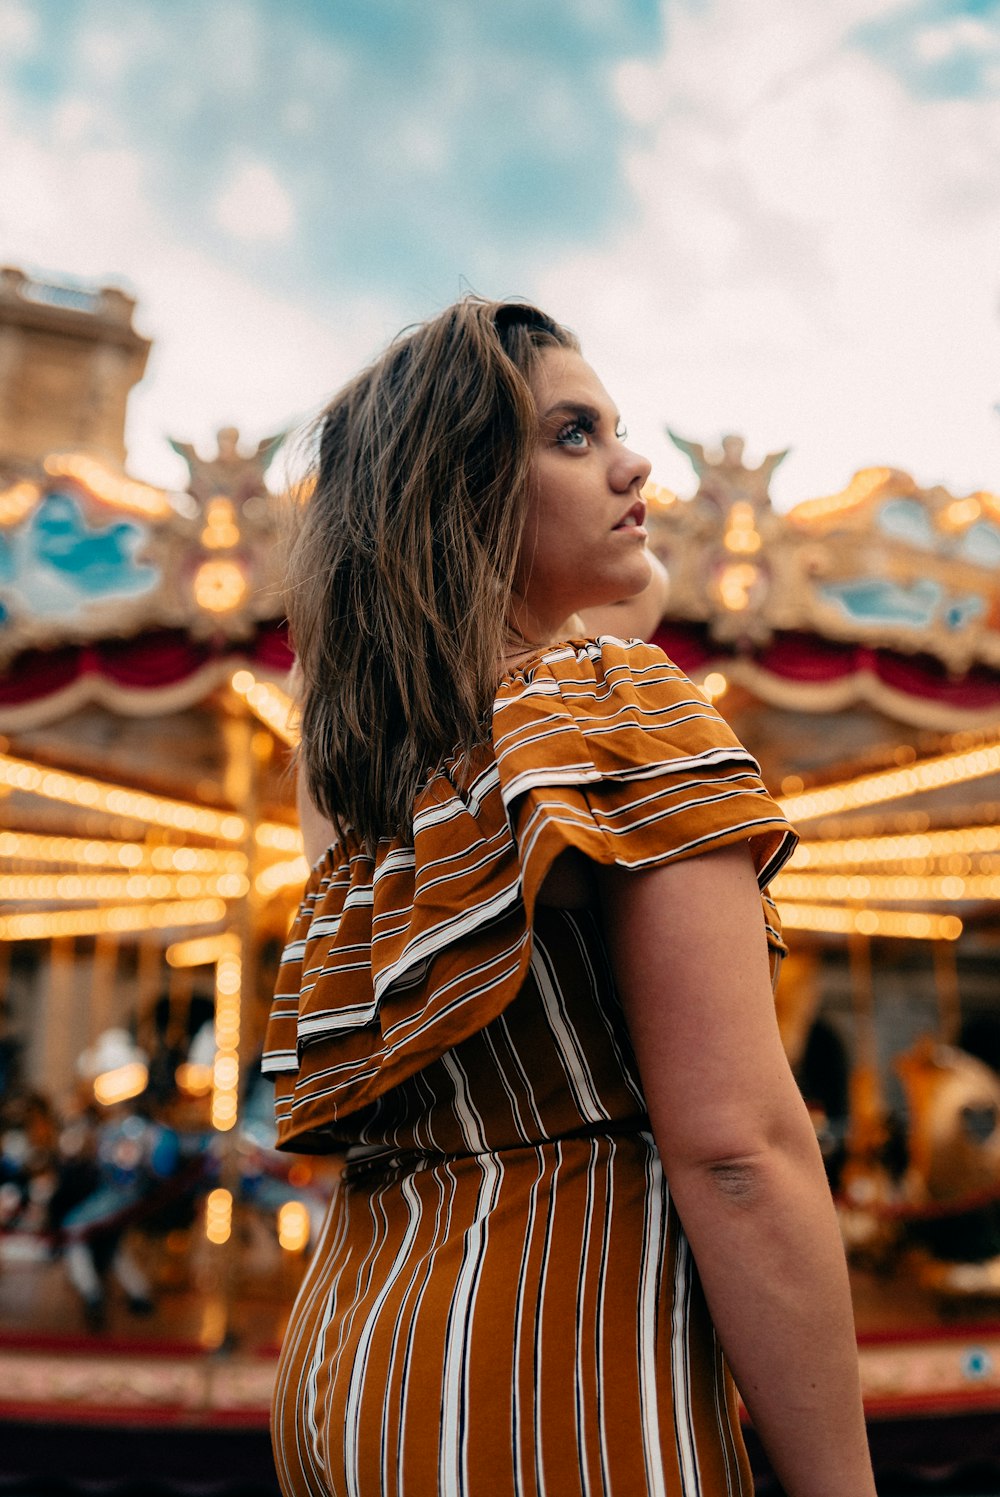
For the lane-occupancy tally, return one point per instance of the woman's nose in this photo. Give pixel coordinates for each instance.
(629, 468)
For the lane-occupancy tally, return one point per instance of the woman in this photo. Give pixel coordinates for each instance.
(529, 990)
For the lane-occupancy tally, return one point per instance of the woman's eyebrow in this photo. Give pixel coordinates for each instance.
(579, 408)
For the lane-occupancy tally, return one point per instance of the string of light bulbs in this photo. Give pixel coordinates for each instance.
(74, 887)
(140, 805)
(42, 925)
(843, 920)
(95, 852)
(871, 789)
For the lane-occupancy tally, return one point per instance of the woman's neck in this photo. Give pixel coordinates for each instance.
(527, 633)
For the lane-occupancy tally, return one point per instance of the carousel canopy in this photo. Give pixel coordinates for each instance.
(881, 598)
(884, 593)
(118, 592)
(115, 592)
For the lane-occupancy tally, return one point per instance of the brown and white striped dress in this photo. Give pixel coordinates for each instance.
(503, 1303)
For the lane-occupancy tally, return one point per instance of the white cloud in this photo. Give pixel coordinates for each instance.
(255, 206)
(104, 53)
(976, 34)
(815, 262)
(226, 351)
(963, 33)
(424, 147)
(813, 259)
(933, 43)
(19, 30)
(73, 119)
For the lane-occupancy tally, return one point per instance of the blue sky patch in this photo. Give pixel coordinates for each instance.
(944, 49)
(409, 139)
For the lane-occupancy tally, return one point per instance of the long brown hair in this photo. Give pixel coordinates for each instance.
(401, 572)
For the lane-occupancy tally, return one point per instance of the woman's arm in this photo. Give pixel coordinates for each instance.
(741, 1158)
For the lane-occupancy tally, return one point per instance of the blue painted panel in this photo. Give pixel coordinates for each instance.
(56, 563)
(908, 520)
(981, 544)
(963, 610)
(874, 601)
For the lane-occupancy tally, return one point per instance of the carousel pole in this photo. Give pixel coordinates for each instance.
(247, 749)
(864, 1182)
(946, 987)
(54, 1069)
(6, 1059)
(103, 984)
(867, 1132)
(148, 971)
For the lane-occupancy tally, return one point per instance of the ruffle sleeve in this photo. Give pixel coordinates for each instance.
(603, 746)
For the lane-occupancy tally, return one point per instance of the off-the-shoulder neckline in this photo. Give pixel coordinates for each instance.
(557, 648)
(520, 670)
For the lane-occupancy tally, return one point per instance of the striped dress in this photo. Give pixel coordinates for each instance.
(503, 1302)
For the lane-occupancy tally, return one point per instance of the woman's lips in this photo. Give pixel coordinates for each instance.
(633, 519)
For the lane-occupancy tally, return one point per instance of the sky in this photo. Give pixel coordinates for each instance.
(773, 217)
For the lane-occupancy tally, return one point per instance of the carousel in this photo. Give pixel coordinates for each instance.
(151, 1239)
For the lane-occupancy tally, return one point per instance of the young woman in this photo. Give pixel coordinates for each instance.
(529, 990)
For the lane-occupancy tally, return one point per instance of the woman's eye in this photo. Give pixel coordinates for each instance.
(621, 431)
(575, 433)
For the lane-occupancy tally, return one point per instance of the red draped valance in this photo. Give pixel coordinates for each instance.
(814, 674)
(166, 670)
(161, 671)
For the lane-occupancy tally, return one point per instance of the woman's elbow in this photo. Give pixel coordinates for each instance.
(746, 1168)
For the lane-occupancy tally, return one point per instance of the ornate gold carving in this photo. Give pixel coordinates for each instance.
(217, 570)
(235, 475)
(883, 562)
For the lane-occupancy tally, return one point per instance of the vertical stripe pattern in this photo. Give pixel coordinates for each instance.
(513, 1313)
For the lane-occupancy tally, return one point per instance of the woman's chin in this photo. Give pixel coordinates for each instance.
(636, 579)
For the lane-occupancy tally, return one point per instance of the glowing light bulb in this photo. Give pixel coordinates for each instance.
(219, 586)
(218, 1215)
(293, 1226)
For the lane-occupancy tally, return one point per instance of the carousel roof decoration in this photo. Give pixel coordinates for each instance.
(884, 593)
(115, 591)
(112, 590)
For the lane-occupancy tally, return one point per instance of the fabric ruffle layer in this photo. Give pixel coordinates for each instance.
(602, 746)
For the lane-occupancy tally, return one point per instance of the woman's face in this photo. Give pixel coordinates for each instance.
(584, 543)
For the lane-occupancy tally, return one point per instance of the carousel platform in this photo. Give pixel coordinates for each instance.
(171, 1403)
(176, 1401)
